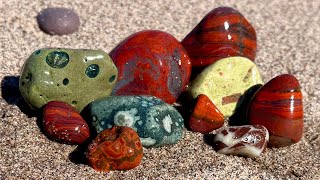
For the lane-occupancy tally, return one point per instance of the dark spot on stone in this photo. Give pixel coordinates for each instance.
(92, 71)
(74, 102)
(58, 84)
(65, 81)
(40, 95)
(59, 21)
(38, 52)
(57, 59)
(22, 83)
(112, 78)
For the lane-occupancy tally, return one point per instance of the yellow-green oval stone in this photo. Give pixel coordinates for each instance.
(74, 76)
(225, 81)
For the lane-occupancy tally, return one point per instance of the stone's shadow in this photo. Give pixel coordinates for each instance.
(240, 115)
(185, 108)
(11, 94)
(208, 139)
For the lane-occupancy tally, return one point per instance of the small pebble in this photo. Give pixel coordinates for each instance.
(58, 21)
(248, 140)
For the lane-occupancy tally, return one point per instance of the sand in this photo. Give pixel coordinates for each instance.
(288, 42)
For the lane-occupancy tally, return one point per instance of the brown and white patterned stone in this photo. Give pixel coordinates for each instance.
(248, 140)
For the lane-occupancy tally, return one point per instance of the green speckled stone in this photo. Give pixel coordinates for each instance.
(74, 76)
(156, 122)
(225, 81)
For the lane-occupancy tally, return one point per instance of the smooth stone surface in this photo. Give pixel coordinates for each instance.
(156, 122)
(223, 32)
(58, 21)
(118, 148)
(278, 107)
(64, 124)
(248, 141)
(74, 76)
(225, 81)
(205, 116)
(151, 63)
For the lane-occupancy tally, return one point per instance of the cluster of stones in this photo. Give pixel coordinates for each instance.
(128, 97)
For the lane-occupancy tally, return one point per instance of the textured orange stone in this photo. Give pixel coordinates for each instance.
(205, 117)
(118, 148)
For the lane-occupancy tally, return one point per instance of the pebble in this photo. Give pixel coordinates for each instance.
(225, 81)
(156, 122)
(74, 76)
(151, 63)
(205, 116)
(64, 124)
(118, 148)
(278, 107)
(58, 21)
(248, 140)
(223, 32)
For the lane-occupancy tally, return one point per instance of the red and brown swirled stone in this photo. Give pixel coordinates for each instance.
(278, 107)
(64, 124)
(223, 32)
(118, 148)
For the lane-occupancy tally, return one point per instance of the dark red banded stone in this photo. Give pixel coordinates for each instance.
(118, 148)
(64, 124)
(278, 107)
(223, 32)
(151, 63)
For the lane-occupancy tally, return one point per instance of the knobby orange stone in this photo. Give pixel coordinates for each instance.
(151, 63)
(64, 124)
(205, 117)
(278, 107)
(224, 32)
(118, 148)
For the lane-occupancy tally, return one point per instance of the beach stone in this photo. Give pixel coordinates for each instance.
(156, 122)
(278, 106)
(205, 116)
(151, 63)
(118, 148)
(58, 21)
(74, 76)
(248, 140)
(225, 81)
(223, 32)
(63, 123)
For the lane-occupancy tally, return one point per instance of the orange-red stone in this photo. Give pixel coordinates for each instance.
(118, 148)
(278, 107)
(205, 117)
(224, 32)
(64, 124)
(151, 63)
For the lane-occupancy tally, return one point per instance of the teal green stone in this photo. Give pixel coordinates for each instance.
(156, 122)
(74, 76)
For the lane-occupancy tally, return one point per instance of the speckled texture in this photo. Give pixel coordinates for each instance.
(75, 76)
(288, 42)
(156, 122)
(225, 81)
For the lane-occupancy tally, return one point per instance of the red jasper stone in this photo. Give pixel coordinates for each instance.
(64, 124)
(205, 117)
(278, 107)
(224, 32)
(151, 63)
(118, 148)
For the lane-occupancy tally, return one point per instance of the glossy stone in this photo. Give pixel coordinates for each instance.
(151, 63)
(58, 21)
(225, 81)
(118, 148)
(223, 32)
(249, 141)
(205, 116)
(278, 107)
(156, 122)
(64, 124)
(74, 76)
